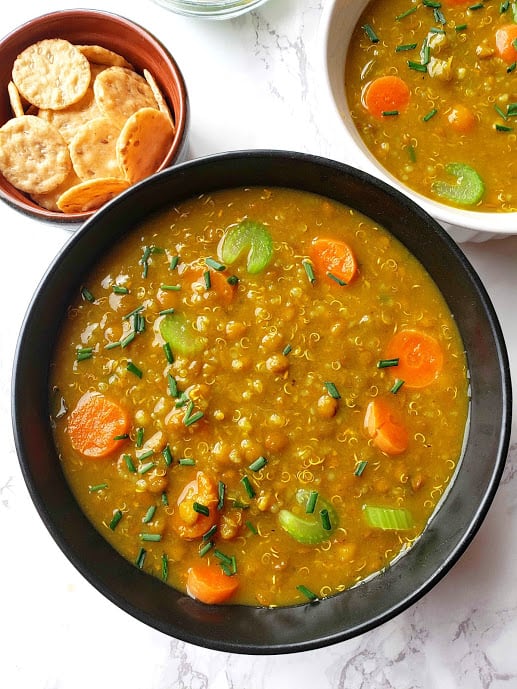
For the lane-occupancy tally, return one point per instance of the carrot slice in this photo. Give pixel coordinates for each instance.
(187, 521)
(386, 431)
(333, 259)
(96, 423)
(209, 584)
(420, 357)
(506, 42)
(386, 94)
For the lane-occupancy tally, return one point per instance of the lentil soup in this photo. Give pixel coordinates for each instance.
(432, 90)
(259, 396)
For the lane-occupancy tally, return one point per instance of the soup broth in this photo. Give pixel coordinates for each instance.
(432, 89)
(259, 396)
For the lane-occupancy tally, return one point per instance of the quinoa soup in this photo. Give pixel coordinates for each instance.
(432, 90)
(259, 396)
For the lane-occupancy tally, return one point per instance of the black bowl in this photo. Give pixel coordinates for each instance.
(242, 629)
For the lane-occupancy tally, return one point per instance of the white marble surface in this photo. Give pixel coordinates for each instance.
(250, 84)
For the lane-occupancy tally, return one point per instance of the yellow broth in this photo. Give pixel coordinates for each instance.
(462, 96)
(278, 393)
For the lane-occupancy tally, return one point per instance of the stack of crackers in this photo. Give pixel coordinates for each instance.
(86, 126)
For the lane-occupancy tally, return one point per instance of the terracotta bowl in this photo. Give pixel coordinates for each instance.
(110, 31)
(246, 629)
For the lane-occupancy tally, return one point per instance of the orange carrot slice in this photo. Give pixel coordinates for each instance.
(96, 424)
(188, 520)
(386, 431)
(420, 357)
(506, 42)
(333, 260)
(387, 94)
(209, 584)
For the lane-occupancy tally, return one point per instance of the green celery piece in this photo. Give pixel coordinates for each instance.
(181, 336)
(251, 236)
(469, 187)
(388, 518)
(309, 528)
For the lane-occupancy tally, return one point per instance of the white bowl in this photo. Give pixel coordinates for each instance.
(338, 20)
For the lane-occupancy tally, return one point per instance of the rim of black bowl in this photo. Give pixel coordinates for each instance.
(241, 629)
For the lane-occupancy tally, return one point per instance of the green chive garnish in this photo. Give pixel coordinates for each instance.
(247, 485)
(122, 436)
(360, 467)
(151, 537)
(140, 558)
(211, 532)
(511, 110)
(165, 499)
(132, 313)
(232, 280)
(129, 463)
(406, 13)
(97, 487)
(167, 455)
(170, 288)
(477, 6)
(144, 468)
(417, 66)
(139, 440)
(165, 567)
(411, 152)
(221, 490)
(325, 519)
(87, 295)
(511, 68)
(148, 516)
(168, 353)
(145, 455)
(201, 509)
(165, 312)
(332, 390)
(309, 270)
(203, 550)
(287, 350)
(432, 3)
(186, 462)
(174, 262)
(368, 29)
(430, 114)
(112, 345)
(172, 385)
(337, 279)
(311, 502)
(118, 289)
(191, 418)
(207, 279)
(503, 7)
(397, 385)
(438, 16)
(460, 27)
(307, 592)
(258, 464)
(503, 128)
(405, 47)
(384, 113)
(500, 112)
(84, 353)
(387, 363)
(216, 265)
(127, 339)
(252, 527)
(117, 516)
(132, 368)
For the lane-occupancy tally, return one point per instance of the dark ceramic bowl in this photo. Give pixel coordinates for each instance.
(247, 629)
(94, 27)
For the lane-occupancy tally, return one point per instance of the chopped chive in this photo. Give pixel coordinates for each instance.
(405, 14)
(117, 516)
(252, 527)
(325, 519)
(138, 323)
(411, 152)
(416, 66)
(368, 29)
(139, 440)
(167, 455)
(230, 569)
(129, 463)
(172, 384)
(112, 345)
(307, 593)
(332, 390)
(203, 550)
(144, 468)
(97, 487)
(182, 400)
(258, 464)
(248, 487)
(287, 350)
(165, 567)
(187, 462)
(432, 3)
(460, 27)
(384, 113)
(151, 537)
(500, 112)
(207, 279)
(216, 265)
(190, 419)
(232, 280)
(397, 385)
(168, 353)
(211, 532)
(438, 16)
(387, 363)
(201, 509)
(127, 339)
(239, 505)
(174, 262)
(405, 47)
(361, 466)
(165, 312)
(148, 516)
(170, 288)
(122, 436)
(504, 6)
(146, 455)
(425, 52)
(503, 128)
(434, 29)
(511, 109)
(165, 499)
(140, 558)
(309, 270)
(119, 289)
(221, 490)
(337, 279)
(430, 114)
(311, 502)
(132, 313)
(132, 368)
(87, 295)
(84, 353)
(477, 6)
(222, 557)
(512, 67)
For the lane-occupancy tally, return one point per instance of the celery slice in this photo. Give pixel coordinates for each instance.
(388, 518)
(178, 332)
(309, 528)
(250, 236)
(469, 187)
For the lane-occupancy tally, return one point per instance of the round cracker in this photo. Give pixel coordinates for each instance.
(15, 100)
(103, 56)
(90, 194)
(34, 156)
(143, 143)
(51, 73)
(119, 93)
(94, 149)
(69, 120)
(158, 95)
(49, 199)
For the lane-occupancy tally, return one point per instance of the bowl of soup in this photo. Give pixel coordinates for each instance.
(424, 96)
(263, 418)
(90, 103)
